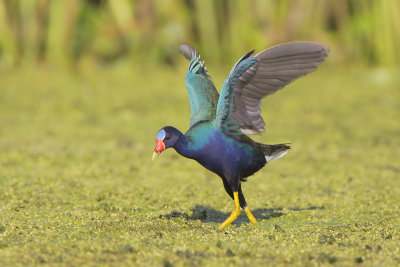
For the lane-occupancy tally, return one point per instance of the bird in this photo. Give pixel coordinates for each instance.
(219, 124)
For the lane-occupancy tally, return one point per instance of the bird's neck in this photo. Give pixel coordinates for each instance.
(182, 146)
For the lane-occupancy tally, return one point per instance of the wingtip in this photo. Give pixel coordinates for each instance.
(324, 49)
(188, 51)
(295, 47)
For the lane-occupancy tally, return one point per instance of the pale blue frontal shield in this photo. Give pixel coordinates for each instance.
(161, 134)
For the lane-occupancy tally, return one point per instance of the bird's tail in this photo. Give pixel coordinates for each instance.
(275, 151)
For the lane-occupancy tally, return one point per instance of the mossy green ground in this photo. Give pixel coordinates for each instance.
(77, 184)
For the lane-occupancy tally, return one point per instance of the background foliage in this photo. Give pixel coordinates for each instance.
(65, 33)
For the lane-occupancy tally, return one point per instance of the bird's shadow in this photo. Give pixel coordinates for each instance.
(207, 214)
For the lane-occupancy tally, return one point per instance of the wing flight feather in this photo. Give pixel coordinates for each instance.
(203, 96)
(254, 77)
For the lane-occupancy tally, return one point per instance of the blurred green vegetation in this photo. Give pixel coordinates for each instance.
(85, 32)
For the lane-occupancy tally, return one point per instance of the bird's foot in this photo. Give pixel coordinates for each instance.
(250, 215)
(235, 213)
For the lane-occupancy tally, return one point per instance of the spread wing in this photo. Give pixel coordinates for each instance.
(254, 77)
(202, 93)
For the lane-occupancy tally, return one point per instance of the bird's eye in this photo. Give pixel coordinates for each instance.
(167, 138)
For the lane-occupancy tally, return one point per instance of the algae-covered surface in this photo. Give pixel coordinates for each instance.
(77, 184)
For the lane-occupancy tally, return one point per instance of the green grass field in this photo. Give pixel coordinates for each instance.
(77, 184)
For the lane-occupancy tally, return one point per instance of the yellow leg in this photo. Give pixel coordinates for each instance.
(250, 215)
(235, 213)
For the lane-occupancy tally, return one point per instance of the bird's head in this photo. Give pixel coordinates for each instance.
(166, 138)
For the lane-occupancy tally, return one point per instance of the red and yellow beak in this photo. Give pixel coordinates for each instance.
(160, 147)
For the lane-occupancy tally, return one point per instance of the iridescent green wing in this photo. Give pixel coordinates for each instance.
(202, 93)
